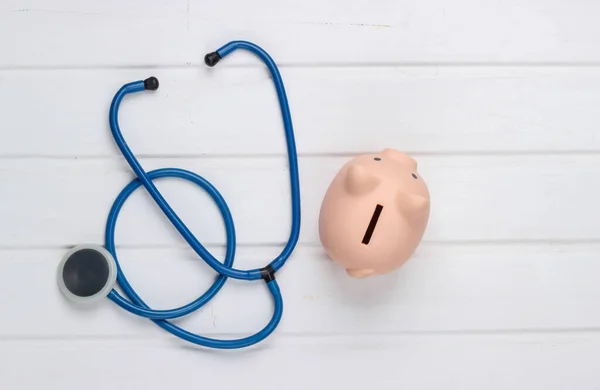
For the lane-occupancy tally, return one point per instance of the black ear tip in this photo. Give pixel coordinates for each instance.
(151, 84)
(212, 59)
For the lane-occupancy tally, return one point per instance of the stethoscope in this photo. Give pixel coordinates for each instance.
(89, 272)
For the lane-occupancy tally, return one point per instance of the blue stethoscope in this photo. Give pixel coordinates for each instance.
(89, 272)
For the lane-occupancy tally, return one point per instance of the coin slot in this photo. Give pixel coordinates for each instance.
(372, 224)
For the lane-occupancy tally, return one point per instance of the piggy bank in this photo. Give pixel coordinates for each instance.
(374, 213)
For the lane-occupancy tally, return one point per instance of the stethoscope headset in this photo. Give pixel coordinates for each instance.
(89, 272)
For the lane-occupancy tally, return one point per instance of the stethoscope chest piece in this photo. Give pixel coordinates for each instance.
(87, 273)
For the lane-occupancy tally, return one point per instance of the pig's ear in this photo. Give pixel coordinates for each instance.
(401, 158)
(359, 180)
(411, 205)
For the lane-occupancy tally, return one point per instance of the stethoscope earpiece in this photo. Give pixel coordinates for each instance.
(87, 273)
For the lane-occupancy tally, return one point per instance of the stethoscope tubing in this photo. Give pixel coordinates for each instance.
(132, 302)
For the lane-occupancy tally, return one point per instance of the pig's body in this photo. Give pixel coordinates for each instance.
(374, 213)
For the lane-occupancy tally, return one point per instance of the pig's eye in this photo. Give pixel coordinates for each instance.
(413, 175)
(377, 159)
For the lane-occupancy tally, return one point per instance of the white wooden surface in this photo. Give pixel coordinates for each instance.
(497, 100)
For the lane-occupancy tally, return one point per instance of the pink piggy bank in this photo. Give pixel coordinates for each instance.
(374, 213)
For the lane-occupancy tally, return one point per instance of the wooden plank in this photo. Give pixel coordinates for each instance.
(460, 362)
(444, 288)
(127, 33)
(335, 110)
(474, 198)
(89, 7)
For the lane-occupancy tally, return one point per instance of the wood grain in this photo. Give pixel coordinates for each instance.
(123, 33)
(468, 361)
(474, 198)
(443, 289)
(334, 110)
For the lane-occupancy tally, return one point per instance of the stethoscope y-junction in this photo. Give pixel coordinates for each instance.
(89, 272)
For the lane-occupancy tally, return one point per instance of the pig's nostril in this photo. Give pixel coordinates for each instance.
(413, 175)
(377, 159)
